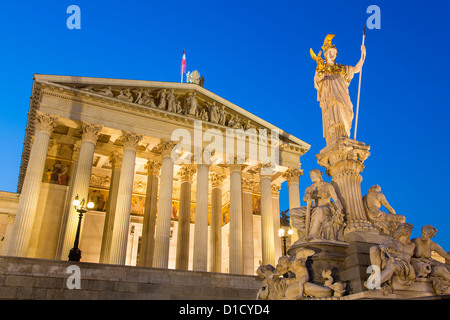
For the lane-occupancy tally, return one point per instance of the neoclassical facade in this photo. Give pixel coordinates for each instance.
(179, 177)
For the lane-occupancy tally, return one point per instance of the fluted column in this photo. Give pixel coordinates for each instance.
(184, 222)
(123, 206)
(29, 196)
(236, 253)
(216, 221)
(292, 177)
(162, 232)
(247, 225)
(276, 219)
(116, 164)
(151, 198)
(90, 133)
(267, 232)
(200, 262)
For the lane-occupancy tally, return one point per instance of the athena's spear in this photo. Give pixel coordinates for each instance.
(359, 88)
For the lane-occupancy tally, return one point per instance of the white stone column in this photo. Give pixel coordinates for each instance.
(162, 232)
(184, 217)
(216, 221)
(236, 253)
(200, 262)
(292, 177)
(276, 220)
(116, 162)
(123, 206)
(267, 232)
(151, 200)
(29, 196)
(90, 133)
(247, 226)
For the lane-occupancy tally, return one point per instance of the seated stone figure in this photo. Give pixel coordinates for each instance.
(385, 222)
(426, 266)
(325, 216)
(393, 258)
(290, 280)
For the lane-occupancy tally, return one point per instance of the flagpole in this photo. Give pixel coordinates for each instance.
(183, 65)
(359, 88)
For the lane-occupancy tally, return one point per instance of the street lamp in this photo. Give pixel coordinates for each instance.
(284, 233)
(75, 252)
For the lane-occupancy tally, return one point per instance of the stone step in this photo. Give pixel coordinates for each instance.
(40, 279)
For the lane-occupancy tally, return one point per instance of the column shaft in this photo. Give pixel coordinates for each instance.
(267, 232)
(276, 221)
(184, 218)
(247, 226)
(292, 177)
(110, 214)
(216, 222)
(236, 253)
(148, 230)
(29, 196)
(200, 262)
(162, 232)
(81, 183)
(121, 227)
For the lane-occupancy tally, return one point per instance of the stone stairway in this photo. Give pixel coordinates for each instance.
(39, 279)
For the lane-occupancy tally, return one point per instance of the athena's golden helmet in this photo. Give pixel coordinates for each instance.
(327, 43)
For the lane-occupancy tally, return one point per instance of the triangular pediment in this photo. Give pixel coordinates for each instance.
(168, 98)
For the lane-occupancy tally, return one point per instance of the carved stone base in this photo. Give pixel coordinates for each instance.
(420, 289)
(329, 254)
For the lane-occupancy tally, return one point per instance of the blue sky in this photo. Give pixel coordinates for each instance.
(256, 55)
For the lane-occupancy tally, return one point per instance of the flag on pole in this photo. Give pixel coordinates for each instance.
(183, 65)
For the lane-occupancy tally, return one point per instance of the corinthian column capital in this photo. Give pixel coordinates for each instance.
(165, 147)
(248, 185)
(45, 122)
(216, 179)
(186, 172)
(276, 190)
(153, 167)
(292, 175)
(115, 159)
(90, 131)
(131, 140)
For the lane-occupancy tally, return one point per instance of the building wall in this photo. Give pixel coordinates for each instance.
(8, 208)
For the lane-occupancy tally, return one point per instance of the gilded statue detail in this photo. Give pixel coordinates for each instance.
(331, 81)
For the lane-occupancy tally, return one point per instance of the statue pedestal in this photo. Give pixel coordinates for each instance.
(343, 160)
(329, 254)
(357, 260)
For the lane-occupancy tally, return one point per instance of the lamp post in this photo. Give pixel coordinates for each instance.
(75, 252)
(284, 233)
